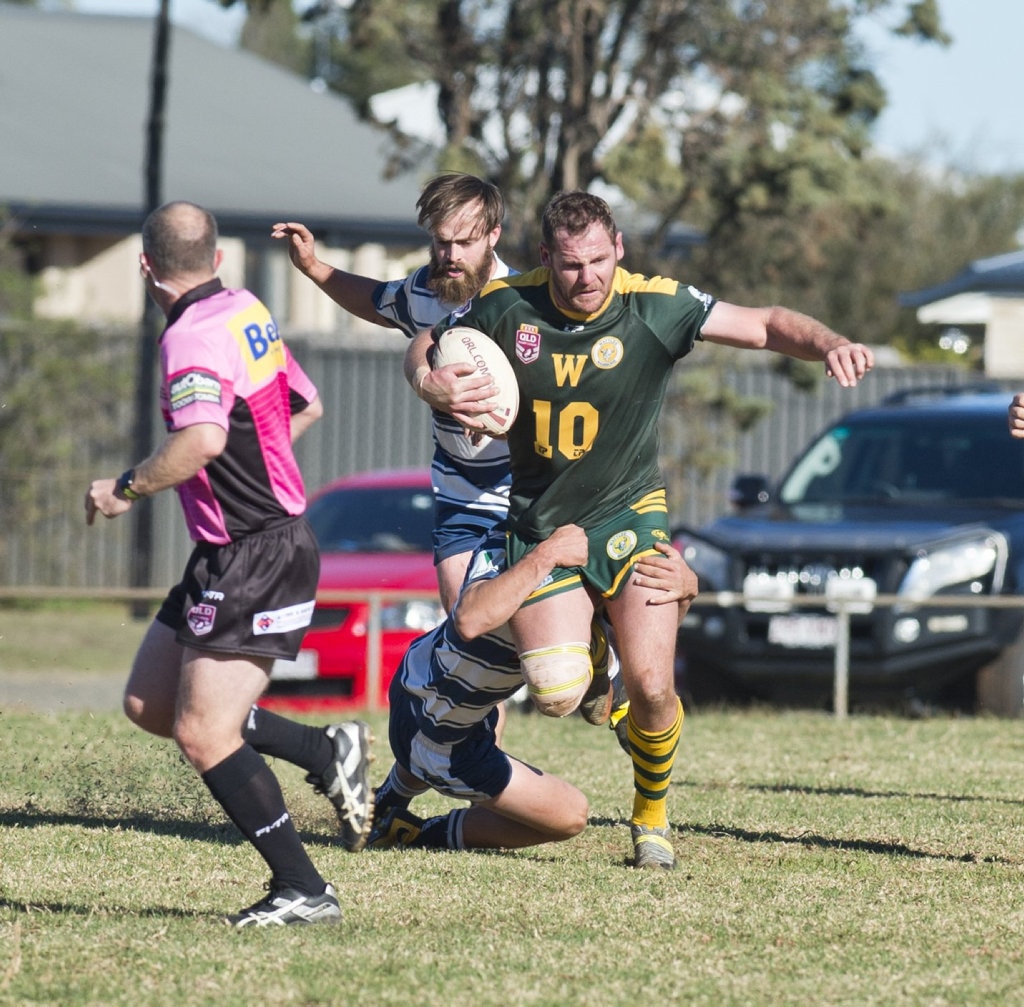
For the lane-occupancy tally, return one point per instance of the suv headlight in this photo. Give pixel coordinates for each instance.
(956, 564)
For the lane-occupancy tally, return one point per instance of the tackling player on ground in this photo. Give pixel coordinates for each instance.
(445, 699)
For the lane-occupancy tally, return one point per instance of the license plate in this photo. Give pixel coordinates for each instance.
(809, 632)
(304, 667)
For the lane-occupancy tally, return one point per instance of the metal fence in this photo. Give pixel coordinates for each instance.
(372, 420)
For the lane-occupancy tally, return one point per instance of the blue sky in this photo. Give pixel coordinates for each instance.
(958, 106)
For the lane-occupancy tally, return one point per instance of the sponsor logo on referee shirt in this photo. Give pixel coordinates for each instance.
(191, 387)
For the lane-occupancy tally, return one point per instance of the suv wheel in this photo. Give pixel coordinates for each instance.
(999, 686)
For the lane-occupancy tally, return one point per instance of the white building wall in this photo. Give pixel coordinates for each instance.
(1004, 339)
(97, 282)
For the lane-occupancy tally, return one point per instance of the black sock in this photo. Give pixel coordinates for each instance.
(307, 747)
(444, 832)
(391, 794)
(248, 791)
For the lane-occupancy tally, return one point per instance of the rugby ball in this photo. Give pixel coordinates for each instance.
(464, 345)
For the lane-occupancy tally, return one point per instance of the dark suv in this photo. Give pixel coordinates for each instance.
(920, 497)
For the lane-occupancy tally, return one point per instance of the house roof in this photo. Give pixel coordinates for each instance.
(245, 138)
(1001, 274)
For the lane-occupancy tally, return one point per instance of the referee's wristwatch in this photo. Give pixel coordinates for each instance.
(123, 487)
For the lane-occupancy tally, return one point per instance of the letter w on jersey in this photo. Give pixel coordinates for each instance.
(568, 367)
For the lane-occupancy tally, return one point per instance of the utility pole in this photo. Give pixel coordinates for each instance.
(152, 318)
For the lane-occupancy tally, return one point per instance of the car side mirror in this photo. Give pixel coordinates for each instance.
(749, 491)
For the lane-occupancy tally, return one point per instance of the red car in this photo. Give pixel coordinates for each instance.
(374, 530)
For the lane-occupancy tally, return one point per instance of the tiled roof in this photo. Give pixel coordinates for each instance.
(1001, 274)
(247, 139)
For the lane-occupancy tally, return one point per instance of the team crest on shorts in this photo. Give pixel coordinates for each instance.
(607, 352)
(527, 343)
(200, 619)
(621, 544)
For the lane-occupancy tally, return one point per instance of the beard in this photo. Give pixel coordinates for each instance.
(459, 289)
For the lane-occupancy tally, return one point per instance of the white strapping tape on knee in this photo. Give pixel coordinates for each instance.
(557, 677)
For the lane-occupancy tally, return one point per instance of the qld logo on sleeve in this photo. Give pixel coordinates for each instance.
(527, 343)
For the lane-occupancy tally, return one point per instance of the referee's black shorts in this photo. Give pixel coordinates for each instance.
(253, 597)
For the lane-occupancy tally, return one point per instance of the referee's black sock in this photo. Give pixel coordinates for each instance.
(248, 791)
(304, 746)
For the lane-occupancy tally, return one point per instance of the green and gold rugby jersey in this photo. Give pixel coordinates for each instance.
(585, 442)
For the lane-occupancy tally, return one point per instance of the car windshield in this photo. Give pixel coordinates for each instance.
(946, 459)
(376, 519)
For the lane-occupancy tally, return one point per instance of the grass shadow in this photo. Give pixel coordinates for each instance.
(810, 839)
(224, 832)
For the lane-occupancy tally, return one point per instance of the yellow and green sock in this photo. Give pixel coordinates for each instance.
(653, 755)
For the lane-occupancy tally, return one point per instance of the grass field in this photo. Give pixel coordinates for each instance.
(68, 636)
(875, 861)
(870, 861)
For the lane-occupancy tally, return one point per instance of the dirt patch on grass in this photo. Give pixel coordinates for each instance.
(54, 692)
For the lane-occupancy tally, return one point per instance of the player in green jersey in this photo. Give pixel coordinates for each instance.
(593, 346)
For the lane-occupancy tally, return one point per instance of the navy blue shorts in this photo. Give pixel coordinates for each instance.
(458, 530)
(470, 769)
(253, 597)
(466, 507)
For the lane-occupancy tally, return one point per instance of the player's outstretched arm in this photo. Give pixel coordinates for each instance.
(783, 330)
(351, 291)
(485, 605)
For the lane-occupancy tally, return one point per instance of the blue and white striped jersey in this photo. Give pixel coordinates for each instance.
(413, 306)
(473, 474)
(454, 683)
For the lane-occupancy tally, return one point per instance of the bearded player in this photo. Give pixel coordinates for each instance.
(470, 475)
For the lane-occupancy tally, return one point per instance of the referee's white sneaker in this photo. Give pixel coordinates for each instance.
(286, 906)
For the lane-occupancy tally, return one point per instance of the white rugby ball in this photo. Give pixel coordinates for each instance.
(465, 345)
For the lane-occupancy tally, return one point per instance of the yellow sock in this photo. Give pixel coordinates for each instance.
(653, 757)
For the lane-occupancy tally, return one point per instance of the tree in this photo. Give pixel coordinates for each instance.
(272, 30)
(745, 106)
(749, 120)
